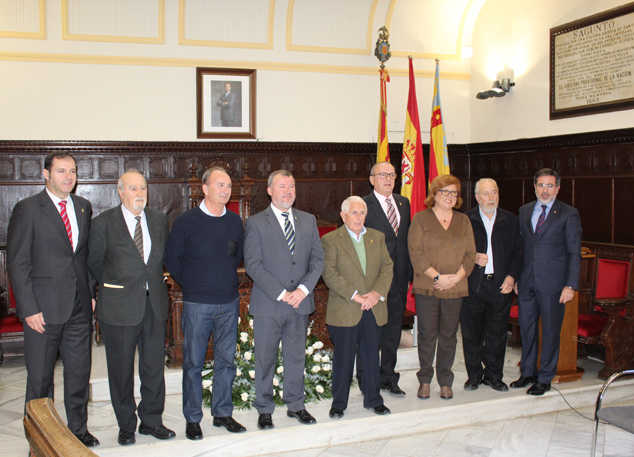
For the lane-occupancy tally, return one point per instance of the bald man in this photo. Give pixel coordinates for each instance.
(126, 258)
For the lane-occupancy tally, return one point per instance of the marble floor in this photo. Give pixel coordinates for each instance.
(479, 423)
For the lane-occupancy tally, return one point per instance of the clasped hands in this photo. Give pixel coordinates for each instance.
(294, 298)
(368, 300)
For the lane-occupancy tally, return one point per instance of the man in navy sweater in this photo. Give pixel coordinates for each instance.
(203, 252)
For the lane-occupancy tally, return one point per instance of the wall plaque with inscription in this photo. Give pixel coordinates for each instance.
(592, 64)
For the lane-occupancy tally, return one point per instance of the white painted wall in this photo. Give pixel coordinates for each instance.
(516, 33)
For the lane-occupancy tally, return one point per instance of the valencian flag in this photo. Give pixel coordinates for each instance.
(438, 158)
(382, 146)
(412, 164)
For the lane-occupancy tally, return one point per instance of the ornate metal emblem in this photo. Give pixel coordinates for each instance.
(382, 49)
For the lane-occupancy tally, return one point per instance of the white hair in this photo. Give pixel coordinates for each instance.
(345, 205)
(482, 180)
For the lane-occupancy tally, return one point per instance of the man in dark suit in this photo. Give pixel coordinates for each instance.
(47, 246)
(126, 258)
(227, 103)
(358, 273)
(551, 237)
(390, 214)
(284, 257)
(484, 313)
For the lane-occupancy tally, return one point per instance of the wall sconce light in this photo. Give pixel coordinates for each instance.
(499, 89)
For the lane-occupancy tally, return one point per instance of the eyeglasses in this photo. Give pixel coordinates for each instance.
(386, 175)
(448, 193)
(541, 185)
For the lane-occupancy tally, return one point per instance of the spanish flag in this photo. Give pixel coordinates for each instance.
(382, 145)
(412, 163)
(438, 157)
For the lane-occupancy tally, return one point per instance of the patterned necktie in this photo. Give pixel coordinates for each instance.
(138, 237)
(289, 233)
(391, 214)
(541, 220)
(66, 221)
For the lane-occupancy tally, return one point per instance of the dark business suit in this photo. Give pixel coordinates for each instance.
(269, 263)
(551, 261)
(397, 296)
(129, 315)
(354, 331)
(484, 313)
(48, 277)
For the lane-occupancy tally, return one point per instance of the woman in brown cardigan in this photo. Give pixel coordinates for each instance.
(442, 251)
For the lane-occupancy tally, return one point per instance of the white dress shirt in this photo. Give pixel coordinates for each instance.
(383, 203)
(488, 226)
(70, 212)
(130, 221)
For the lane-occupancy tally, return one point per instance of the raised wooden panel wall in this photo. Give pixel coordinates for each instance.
(597, 171)
(326, 173)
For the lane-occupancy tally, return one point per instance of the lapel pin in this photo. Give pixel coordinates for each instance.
(555, 212)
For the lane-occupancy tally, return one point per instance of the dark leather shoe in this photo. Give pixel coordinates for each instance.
(126, 438)
(446, 393)
(424, 391)
(193, 431)
(538, 389)
(230, 424)
(381, 410)
(496, 384)
(336, 413)
(523, 381)
(302, 416)
(265, 421)
(159, 432)
(88, 440)
(394, 389)
(471, 384)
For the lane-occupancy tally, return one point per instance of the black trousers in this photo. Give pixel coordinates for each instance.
(364, 339)
(391, 335)
(72, 341)
(121, 342)
(484, 320)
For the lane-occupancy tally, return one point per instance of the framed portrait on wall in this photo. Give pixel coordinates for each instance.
(225, 103)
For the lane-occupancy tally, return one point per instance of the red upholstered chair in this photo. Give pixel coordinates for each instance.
(11, 331)
(610, 322)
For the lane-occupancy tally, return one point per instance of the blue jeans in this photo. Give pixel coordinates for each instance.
(200, 320)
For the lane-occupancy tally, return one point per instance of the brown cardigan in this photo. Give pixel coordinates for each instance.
(430, 245)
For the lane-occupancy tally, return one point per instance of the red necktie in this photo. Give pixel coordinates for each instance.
(69, 230)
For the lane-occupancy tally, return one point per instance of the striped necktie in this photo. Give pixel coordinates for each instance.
(289, 233)
(391, 214)
(138, 237)
(66, 221)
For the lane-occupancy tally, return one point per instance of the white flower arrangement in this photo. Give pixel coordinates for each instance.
(317, 372)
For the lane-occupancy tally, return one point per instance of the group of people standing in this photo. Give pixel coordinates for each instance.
(63, 266)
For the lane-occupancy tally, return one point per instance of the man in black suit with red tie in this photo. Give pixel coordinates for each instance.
(390, 214)
(551, 237)
(47, 247)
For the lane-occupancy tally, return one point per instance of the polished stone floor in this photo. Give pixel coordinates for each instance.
(479, 423)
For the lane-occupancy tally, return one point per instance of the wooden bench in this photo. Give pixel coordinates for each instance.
(48, 435)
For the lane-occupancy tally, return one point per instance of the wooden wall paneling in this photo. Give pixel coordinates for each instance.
(592, 199)
(623, 209)
(511, 194)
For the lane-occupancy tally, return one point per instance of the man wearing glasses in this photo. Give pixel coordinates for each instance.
(390, 214)
(551, 238)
